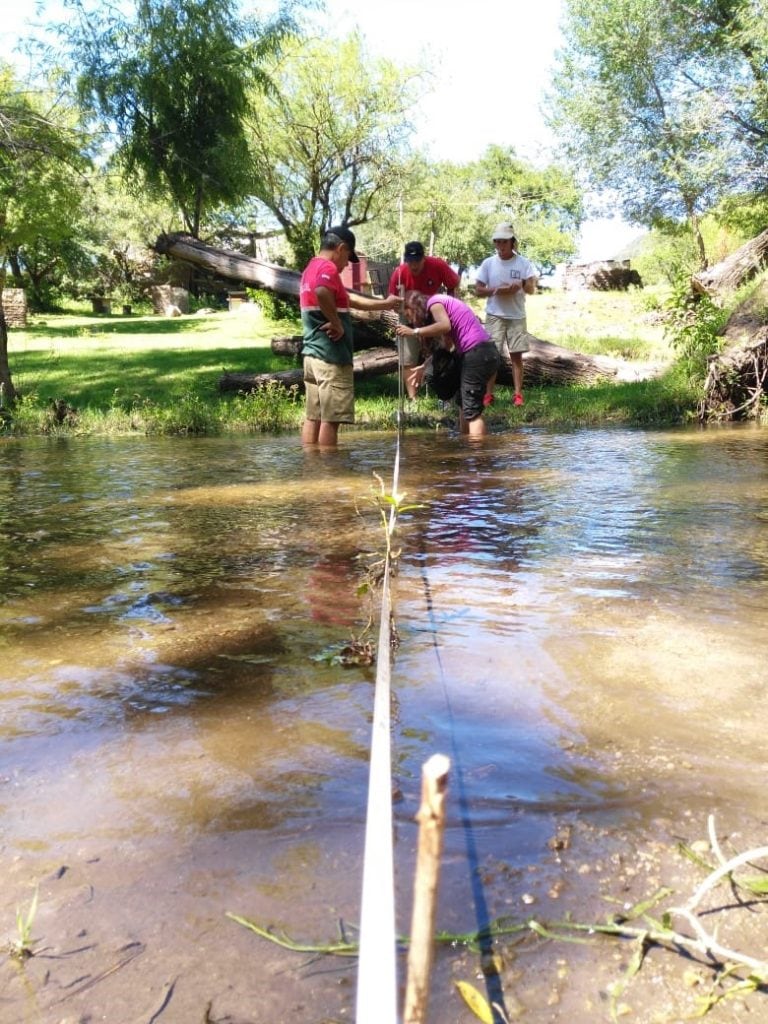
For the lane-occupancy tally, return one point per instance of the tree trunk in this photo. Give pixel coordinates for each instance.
(7, 390)
(738, 268)
(698, 238)
(287, 346)
(543, 364)
(234, 265)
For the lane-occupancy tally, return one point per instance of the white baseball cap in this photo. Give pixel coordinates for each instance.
(503, 231)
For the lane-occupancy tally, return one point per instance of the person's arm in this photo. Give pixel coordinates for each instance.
(326, 300)
(485, 291)
(429, 336)
(367, 302)
(482, 290)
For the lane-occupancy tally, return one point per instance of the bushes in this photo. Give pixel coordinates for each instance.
(693, 327)
(273, 306)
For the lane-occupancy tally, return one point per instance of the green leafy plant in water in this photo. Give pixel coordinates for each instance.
(23, 946)
(390, 506)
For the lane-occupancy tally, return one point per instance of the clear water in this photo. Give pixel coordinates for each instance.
(580, 614)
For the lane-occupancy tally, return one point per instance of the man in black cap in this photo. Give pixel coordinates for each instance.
(428, 275)
(328, 339)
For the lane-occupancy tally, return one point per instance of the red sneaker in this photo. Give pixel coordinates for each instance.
(488, 400)
(518, 399)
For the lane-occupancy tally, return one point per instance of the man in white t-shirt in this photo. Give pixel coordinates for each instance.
(505, 279)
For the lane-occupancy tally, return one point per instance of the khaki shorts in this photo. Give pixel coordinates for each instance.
(508, 335)
(330, 391)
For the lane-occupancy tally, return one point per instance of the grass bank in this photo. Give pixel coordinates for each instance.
(83, 373)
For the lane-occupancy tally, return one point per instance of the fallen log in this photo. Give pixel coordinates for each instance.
(232, 265)
(373, 362)
(735, 270)
(289, 345)
(371, 326)
(544, 364)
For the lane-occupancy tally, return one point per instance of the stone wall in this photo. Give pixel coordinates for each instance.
(15, 307)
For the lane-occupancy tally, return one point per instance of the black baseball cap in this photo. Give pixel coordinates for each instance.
(414, 251)
(346, 236)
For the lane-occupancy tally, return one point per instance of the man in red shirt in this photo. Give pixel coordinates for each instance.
(428, 275)
(328, 346)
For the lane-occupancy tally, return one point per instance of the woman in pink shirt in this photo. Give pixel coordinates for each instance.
(447, 320)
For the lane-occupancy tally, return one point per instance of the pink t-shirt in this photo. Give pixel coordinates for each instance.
(466, 329)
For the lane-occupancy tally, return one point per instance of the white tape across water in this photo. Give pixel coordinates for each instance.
(377, 965)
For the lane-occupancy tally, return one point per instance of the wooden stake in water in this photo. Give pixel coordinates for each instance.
(431, 819)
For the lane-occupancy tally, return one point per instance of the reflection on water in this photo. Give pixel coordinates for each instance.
(560, 596)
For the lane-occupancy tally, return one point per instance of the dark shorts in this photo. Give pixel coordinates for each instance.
(478, 365)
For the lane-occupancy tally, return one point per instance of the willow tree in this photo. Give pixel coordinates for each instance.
(41, 162)
(171, 80)
(650, 103)
(329, 142)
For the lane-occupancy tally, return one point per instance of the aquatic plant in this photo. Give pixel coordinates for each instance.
(23, 946)
(390, 506)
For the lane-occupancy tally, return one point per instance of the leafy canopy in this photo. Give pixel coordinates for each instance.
(41, 163)
(664, 106)
(328, 144)
(171, 81)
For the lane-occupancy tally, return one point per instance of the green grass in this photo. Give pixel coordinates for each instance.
(158, 375)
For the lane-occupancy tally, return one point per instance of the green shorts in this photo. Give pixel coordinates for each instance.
(330, 391)
(508, 335)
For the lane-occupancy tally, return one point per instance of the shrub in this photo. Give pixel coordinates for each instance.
(693, 327)
(274, 306)
(267, 408)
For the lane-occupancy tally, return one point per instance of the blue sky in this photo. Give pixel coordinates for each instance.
(490, 66)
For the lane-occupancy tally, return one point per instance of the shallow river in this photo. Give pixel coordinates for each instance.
(582, 630)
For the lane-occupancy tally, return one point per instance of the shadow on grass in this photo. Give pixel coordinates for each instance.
(95, 378)
(84, 325)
